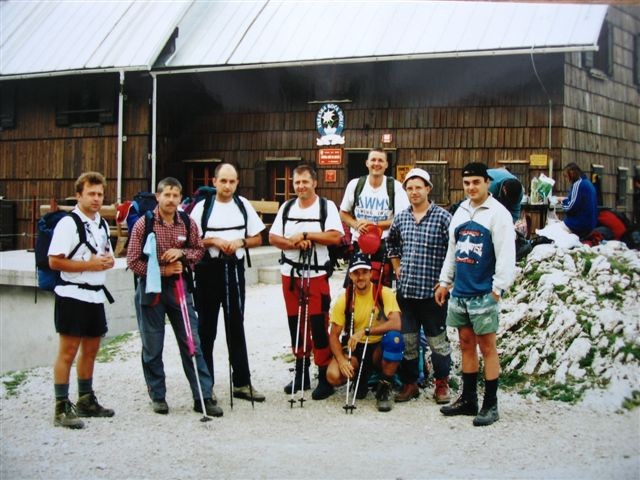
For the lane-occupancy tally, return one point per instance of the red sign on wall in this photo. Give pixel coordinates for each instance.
(330, 156)
(330, 176)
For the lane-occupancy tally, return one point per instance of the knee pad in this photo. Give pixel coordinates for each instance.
(440, 344)
(410, 345)
(392, 346)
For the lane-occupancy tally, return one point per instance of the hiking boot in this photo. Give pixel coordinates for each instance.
(88, 406)
(160, 406)
(212, 409)
(383, 402)
(487, 416)
(324, 388)
(408, 392)
(460, 407)
(441, 392)
(66, 416)
(246, 392)
(300, 374)
(362, 392)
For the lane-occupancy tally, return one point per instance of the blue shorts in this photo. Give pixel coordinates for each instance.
(480, 312)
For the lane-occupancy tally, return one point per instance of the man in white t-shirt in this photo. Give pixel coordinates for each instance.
(220, 275)
(373, 201)
(79, 301)
(303, 229)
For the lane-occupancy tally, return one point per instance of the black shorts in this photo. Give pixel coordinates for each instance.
(79, 319)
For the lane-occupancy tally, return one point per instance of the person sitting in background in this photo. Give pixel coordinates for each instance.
(581, 206)
(507, 189)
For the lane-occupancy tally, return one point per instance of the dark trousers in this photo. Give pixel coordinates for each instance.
(417, 312)
(221, 283)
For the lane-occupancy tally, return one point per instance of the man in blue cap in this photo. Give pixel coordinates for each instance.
(367, 316)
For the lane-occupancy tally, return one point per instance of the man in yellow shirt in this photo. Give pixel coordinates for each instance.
(365, 317)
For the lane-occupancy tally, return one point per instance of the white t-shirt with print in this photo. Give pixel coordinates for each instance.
(292, 227)
(373, 203)
(224, 215)
(64, 240)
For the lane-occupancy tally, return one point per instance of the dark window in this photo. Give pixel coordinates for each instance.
(86, 100)
(636, 60)
(439, 173)
(7, 105)
(601, 62)
(621, 191)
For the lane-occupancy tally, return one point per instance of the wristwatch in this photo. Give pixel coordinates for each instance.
(244, 243)
(367, 331)
(304, 235)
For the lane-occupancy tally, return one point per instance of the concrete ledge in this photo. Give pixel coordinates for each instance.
(27, 334)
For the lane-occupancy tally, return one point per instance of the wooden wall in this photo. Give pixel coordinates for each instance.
(602, 113)
(41, 161)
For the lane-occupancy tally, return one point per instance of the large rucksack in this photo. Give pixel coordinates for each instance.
(142, 203)
(48, 278)
(208, 196)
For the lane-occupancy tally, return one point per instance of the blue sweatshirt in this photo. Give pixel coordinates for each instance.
(581, 207)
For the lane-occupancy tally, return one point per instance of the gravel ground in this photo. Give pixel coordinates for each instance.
(533, 439)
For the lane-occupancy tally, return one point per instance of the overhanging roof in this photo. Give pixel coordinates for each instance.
(43, 37)
(59, 36)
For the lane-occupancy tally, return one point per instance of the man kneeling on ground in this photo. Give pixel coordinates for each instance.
(385, 346)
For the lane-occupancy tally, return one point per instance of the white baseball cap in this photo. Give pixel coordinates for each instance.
(417, 172)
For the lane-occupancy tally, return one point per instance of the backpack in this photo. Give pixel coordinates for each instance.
(48, 278)
(360, 186)
(141, 204)
(208, 195)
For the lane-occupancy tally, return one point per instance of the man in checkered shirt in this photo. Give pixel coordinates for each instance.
(417, 247)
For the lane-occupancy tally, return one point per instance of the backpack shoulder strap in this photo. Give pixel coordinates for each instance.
(186, 219)
(82, 235)
(357, 192)
(285, 212)
(391, 187)
(206, 211)
(323, 212)
(243, 209)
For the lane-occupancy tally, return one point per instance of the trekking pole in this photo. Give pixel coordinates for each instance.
(366, 342)
(349, 408)
(292, 400)
(241, 311)
(227, 321)
(305, 284)
(184, 310)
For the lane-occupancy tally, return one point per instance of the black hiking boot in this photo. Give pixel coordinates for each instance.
(88, 406)
(324, 388)
(66, 415)
(487, 416)
(461, 406)
(383, 402)
(213, 410)
(160, 406)
(300, 373)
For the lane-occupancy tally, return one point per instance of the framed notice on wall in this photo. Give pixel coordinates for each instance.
(330, 176)
(330, 156)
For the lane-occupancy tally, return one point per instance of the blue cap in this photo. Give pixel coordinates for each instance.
(392, 346)
(360, 260)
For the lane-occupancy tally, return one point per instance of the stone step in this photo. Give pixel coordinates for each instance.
(269, 275)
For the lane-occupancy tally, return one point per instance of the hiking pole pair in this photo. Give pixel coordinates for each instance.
(227, 326)
(352, 406)
(349, 408)
(303, 300)
(184, 310)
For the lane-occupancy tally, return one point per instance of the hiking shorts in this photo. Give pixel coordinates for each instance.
(480, 312)
(79, 319)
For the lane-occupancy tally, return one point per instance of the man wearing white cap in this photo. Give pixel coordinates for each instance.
(417, 246)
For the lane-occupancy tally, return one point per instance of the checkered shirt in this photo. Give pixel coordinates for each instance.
(421, 248)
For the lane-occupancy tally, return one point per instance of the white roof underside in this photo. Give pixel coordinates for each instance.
(55, 36)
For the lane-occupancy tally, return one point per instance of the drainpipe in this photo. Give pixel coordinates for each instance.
(120, 137)
(550, 103)
(154, 120)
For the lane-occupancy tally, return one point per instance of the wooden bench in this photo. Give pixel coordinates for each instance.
(267, 211)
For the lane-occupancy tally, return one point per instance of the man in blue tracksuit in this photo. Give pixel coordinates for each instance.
(581, 206)
(478, 269)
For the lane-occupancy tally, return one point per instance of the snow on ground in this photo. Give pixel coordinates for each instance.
(534, 438)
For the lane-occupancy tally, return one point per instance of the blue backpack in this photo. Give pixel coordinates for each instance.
(141, 204)
(48, 278)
